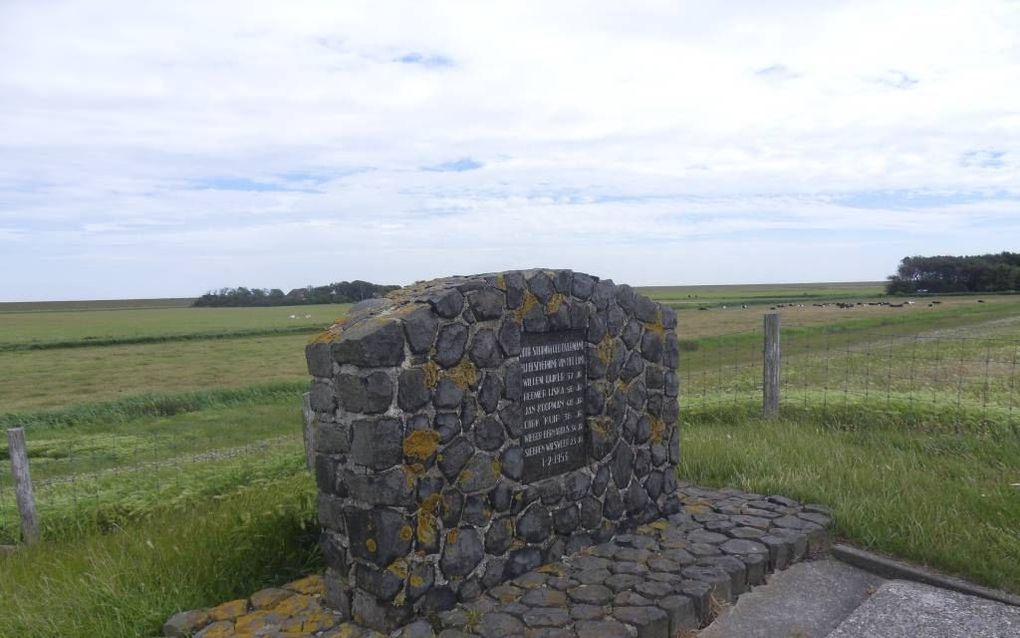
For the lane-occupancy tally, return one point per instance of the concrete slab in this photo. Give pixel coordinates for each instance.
(901, 609)
(808, 600)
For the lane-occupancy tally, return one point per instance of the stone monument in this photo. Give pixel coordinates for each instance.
(470, 429)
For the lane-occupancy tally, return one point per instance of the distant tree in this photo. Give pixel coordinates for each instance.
(339, 292)
(946, 273)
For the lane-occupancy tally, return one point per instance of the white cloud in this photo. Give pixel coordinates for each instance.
(565, 135)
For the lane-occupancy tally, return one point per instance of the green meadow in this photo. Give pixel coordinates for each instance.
(165, 441)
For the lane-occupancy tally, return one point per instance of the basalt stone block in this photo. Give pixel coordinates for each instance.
(448, 394)
(450, 344)
(378, 392)
(535, 524)
(575, 485)
(480, 473)
(631, 333)
(412, 393)
(499, 536)
(319, 357)
(379, 535)
(522, 561)
(462, 552)
(372, 343)
(489, 434)
(486, 303)
(513, 382)
(509, 337)
(501, 496)
(453, 457)
(582, 286)
(420, 326)
(392, 487)
(377, 443)
(512, 416)
(512, 463)
(447, 426)
(477, 512)
(446, 303)
(566, 520)
(484, 350)
(541, 285)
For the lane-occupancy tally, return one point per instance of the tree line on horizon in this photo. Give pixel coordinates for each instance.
(338, 292)
(946, 273)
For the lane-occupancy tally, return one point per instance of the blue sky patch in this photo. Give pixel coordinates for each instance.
(427, 61)
(456, 166)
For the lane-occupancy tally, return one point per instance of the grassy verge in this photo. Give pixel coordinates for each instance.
(114, 412)
(128, 582)
(160, 338)
(936, 497)
(102, 474)
(38, 379)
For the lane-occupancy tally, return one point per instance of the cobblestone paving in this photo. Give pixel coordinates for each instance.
(670, 576)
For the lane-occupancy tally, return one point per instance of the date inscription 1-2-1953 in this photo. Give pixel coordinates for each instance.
(554, 375)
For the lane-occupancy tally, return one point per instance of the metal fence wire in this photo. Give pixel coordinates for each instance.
(939, 378)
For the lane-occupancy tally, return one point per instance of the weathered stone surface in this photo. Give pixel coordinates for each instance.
(500, 625)
(377, 443)
(454, 456)
(379, 535)
(601, 629)
(412, 393)
(391, 487)
(535, 524)
(650, 622)
(484, 350)
(450, 344)
(499, 536)
(480, 473)
(185, 623)
(447, 303)
(372, 343)
(462, 552)
(420, 326)
(489, 392)
(489, 434)
(521, 561)
(512, 463)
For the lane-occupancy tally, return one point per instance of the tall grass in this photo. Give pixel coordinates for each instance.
(933, 496)
(153, 404)
(129, 581)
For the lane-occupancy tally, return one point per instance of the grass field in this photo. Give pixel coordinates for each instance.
(169, 469)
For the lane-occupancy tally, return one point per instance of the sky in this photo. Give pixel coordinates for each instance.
(166, 149)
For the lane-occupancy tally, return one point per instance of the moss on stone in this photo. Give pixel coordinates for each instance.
(604, 350)
(421, 444)
(554, 303)
(530, 301)
(658, 429)
(463, 374)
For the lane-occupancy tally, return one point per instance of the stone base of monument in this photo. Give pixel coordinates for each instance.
(666, 576)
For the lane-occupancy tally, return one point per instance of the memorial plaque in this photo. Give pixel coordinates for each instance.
(554, 375)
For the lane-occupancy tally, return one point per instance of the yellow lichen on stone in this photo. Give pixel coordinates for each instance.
(530, 301)
(412, 472)
(501, 282)
(554, 303)
(308, 585)
(406, 533)
(370, 545)
(250, 623)
(432, 374)
(497, 467)
(697, 508)
(416, 580)
(451, 537)
(421, 444)
(399, 567)
(316, 621)
(601, 425)
(399, 599)
(604, 350)
(296, 604)
(426, 519)
(268, 598)
(658, 429)
(219, 629)
(463, 374)
(229, 610)
(659, 525)
(551, 568)
(330, 334)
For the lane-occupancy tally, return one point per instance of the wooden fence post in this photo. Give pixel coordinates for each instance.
(771, 358)
(309, 417)
(23, 485)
